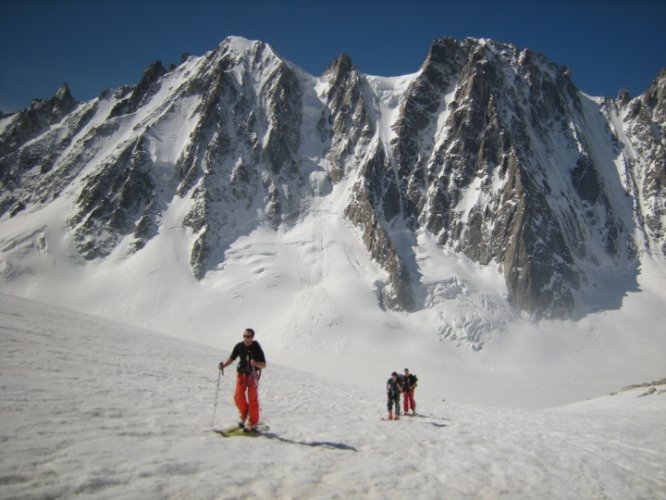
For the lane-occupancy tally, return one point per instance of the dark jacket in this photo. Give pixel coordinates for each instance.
(245, 354)
(392, 388)
(408, 383)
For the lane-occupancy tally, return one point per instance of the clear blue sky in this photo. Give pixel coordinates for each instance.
(93, 45)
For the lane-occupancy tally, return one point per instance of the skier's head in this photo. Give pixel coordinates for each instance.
(394, 374)
(406, 371)
(248, 335)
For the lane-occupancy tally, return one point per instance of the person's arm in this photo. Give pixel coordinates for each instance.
(232, 357)
(260, 362)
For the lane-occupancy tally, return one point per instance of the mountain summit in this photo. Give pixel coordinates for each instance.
(488, 152)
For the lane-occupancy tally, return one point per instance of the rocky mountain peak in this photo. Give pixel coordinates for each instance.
(151, 74)
(341, 65)
(64, 96)
(623, 96)
(655, 98)
(489, 151)
(643, 138)
(35, 119)
(442, 51)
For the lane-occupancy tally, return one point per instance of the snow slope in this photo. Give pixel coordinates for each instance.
(96, 409)
(307, 291)
(311, 290)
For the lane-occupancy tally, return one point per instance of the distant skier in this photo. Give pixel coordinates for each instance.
(393, 397)
(409, 381)
(251, 362)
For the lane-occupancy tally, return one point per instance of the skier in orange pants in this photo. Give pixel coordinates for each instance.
(251, 362)
(409, 381)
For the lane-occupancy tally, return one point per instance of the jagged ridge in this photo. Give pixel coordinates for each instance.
(490, 150)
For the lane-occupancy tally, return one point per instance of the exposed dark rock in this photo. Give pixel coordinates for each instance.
(145, 88)
(35, 119)
(492, 152)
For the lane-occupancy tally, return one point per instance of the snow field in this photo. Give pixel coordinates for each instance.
(96, 409)
(311, 289)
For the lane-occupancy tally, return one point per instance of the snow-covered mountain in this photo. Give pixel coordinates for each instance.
(488, 151)
(481, 191)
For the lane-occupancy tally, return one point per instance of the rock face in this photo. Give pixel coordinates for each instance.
(639, 127)
(489, 150)
(19, 158)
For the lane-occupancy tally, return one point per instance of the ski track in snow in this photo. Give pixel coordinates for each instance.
(96, 409)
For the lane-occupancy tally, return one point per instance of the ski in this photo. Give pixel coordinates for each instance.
(228, 430)
(238, 431)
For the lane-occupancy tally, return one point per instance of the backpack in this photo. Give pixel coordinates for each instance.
(413, 379)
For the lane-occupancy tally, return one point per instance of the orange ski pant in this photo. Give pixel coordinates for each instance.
(246, 398)
(408, 401)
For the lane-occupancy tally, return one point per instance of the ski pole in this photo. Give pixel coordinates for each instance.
(217, 391)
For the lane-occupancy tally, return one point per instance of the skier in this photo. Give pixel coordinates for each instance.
(409, 381)
(393, 397)
(251, 362)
